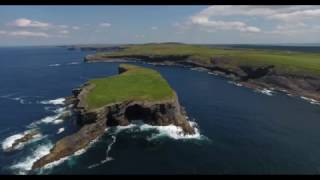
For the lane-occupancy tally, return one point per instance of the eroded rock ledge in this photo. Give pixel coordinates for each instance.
(94, 122)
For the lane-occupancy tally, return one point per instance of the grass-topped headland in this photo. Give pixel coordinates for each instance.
(283, 61)
(136, 83)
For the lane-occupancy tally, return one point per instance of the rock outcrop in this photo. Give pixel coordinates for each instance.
(25, 138)
(93, 122)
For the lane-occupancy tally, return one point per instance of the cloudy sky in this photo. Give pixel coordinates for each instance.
(53, 25)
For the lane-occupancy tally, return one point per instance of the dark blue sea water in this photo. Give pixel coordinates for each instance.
(241, 131)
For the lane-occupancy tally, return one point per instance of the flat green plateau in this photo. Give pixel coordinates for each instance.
(138, 83)
(284, 61)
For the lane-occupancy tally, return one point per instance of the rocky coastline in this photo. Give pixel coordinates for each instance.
(304, 85)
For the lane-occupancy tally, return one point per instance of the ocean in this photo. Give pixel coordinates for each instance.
(240, 130)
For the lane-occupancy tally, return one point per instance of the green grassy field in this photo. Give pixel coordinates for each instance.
(288, 62)
(135, 84)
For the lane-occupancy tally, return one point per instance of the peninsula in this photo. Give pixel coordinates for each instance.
(297, 73)
(137, 93)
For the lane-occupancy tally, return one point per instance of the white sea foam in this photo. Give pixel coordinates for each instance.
(171, 131)
(59, 101)
(8, 142)
(213, 73)
(7, 95)
(49, 119)
(266, 92)
(121, 128)
(235, 83)
(53, 119)
(57, 121)
(199, 69)
(24, 166)
(60, 110)
(74, 63)
(77, 153)
(54, 65)
(60, 130)
(21, 101)
(310, 100)
(107, 159)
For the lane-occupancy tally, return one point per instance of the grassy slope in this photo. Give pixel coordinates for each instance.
(135, 84)
(290, 62)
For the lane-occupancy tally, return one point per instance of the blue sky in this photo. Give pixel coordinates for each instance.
(54, 25)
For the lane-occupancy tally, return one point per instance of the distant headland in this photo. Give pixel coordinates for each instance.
(297, 73)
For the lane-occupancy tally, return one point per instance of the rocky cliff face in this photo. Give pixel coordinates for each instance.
(94, 122)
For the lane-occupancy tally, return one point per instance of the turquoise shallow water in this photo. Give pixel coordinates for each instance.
(241, 131)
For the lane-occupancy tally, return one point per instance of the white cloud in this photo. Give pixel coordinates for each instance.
(230, 10)
(228, 17)
(204, 21)
(139, 36)
(28, 34)
(104, 24)
(262, 11)
(64, 32)
(63, 26)
(223, 25)
(3, 32)
(298, 15)
(154, 28)
(23, 22)
(75, 27)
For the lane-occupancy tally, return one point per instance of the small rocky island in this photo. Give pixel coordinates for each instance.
(137, 93)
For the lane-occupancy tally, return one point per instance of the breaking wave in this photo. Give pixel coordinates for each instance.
(54, 65)
(200, 69)
(59, 101)
(21, 99)
(310, 100)
(8, 142)
(24, 166)
(77, 153)
(171, 131)
(265, 91)
(53, 119)
(213, 73)
(8, 95)
(235, 83)
(60, 130)
(74, 63)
